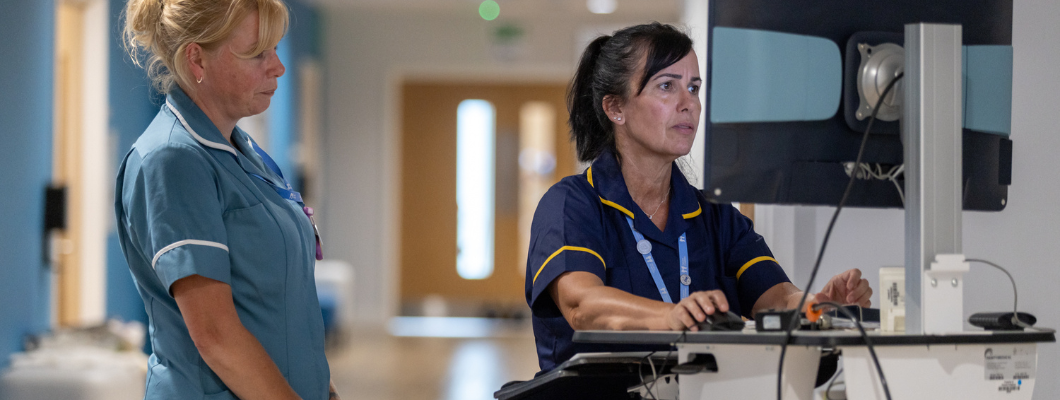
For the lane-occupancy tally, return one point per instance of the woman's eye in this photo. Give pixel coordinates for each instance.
(665, 85)
(694, 89)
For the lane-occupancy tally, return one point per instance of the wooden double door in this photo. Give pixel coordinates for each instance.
(428, 230)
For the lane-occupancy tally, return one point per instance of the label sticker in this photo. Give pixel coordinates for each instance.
(1010, 363)
(771, 322)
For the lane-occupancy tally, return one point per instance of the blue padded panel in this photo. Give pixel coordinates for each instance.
(988, 89)
(760, 76)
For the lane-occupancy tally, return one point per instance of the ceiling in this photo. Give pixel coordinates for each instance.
(626, 9)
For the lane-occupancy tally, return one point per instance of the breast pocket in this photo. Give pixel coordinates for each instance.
(258, 252)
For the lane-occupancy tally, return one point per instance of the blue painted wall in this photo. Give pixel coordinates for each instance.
(300, 44)
(133, 104)
(26, 81)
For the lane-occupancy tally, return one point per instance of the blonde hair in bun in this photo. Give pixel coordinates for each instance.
(157, 32)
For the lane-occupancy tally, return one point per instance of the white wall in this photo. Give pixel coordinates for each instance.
(1021, 238)
(368, 51)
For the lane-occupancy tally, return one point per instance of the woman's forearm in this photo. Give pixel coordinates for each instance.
(779, 297)
(608, 308)
(241, 362)
(589, 305)
(228, 348)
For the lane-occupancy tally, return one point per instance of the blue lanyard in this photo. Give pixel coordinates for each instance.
(287, 192)
(644, 248)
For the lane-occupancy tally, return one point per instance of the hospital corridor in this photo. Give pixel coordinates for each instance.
(529, 199)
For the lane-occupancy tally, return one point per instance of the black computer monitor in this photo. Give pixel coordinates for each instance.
(802, 162)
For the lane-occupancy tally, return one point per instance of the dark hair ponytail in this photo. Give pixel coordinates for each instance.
(606, 68)
(591, 134)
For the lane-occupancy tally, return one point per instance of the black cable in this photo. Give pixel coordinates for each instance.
(817, 265)
(1015, 295)
(865, 337)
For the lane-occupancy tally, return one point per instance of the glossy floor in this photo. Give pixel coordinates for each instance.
(380, 366)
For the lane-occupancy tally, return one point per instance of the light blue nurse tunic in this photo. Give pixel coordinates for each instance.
(188, 203)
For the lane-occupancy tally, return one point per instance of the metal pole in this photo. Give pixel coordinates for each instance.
(931, 131)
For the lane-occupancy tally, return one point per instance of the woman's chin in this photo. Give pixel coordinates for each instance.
(683, 150)
(259, 107)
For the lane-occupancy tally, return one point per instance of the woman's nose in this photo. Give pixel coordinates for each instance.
(277, 69)
(689, 101)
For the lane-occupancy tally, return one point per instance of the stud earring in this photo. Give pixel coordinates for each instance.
(618, 118)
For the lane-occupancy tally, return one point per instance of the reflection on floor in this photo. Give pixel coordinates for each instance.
(380, 366)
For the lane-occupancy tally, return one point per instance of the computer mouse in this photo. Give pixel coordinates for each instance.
(727, 321)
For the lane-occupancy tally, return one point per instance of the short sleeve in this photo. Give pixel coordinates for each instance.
(748, 258)
(566, 235)
(176, 215)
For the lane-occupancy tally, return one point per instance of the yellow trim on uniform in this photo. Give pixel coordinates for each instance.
(753, 262)
(589, 172)
(616, 206)
(693, 214)
(560, 251)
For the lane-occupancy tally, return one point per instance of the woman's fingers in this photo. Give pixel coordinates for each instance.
(862, 290)
(863, 298)
(719, 300)
(710, 302)
(687, 313)
(682, 315)
(853, 278)
(705, 303)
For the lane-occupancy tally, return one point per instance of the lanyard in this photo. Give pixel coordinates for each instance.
(287, 192)
(644, 248)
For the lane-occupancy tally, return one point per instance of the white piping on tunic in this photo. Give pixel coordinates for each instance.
(184, 242)
(196, 136)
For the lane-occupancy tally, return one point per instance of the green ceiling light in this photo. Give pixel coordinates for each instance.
(489, 10)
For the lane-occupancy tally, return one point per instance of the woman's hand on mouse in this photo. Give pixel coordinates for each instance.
(694, 309)
(847, 288)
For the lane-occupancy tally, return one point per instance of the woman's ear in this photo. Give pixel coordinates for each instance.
(194, 55)
(612, 106)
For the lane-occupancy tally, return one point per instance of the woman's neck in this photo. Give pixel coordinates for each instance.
(224, 125)
(648, 181)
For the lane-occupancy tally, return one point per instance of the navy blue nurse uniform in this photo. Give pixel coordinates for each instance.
(188, 202)
(581, 225)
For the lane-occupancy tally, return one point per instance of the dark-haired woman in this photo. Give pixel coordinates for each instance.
(629, 244)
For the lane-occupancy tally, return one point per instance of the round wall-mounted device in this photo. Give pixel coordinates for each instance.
(879, 65)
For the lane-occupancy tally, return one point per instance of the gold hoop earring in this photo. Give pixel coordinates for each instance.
(199, 80)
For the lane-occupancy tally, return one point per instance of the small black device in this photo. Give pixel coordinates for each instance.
(54, 218)
(1001, 321)
(727, 321)
(54, 208)
(774, 320)
(863, 314)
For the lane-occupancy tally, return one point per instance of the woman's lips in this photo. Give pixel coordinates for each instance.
(685, 128)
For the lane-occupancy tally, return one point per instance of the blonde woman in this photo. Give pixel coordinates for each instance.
(220, 246)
